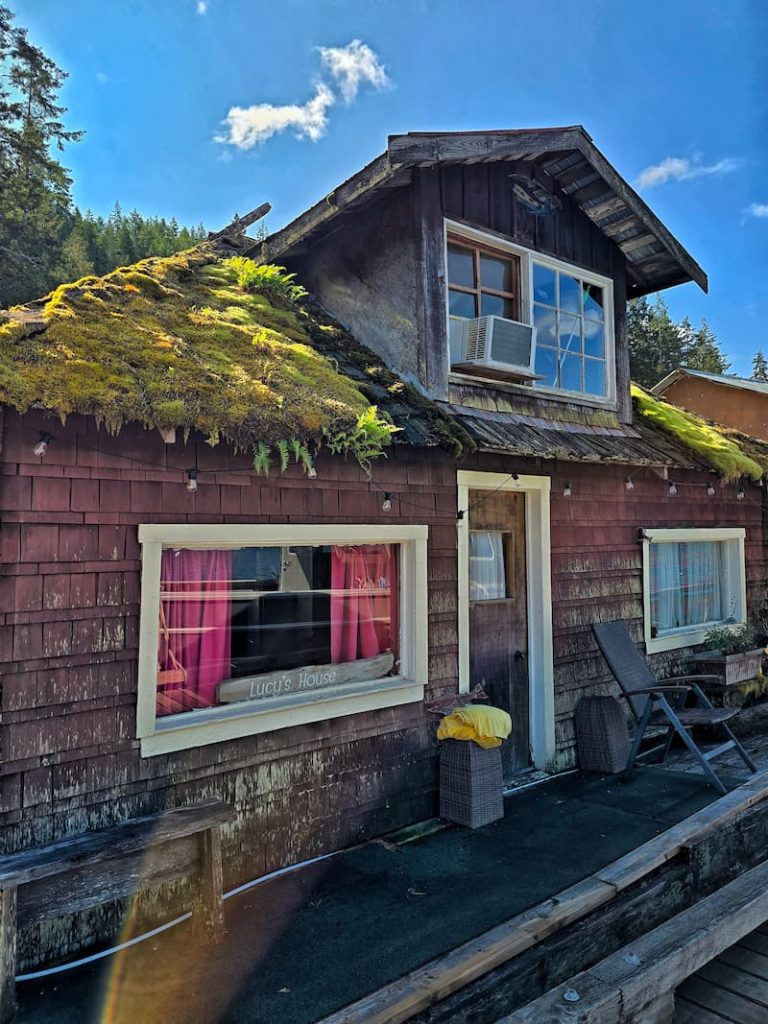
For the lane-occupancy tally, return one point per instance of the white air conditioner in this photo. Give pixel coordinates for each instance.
(494, 344)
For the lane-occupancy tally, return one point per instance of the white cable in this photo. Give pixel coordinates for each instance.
(169, 924)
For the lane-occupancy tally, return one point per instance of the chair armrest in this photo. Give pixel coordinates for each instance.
(692, 679)
(655, 689)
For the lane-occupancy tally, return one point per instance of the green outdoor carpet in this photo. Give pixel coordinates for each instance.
(308, 943)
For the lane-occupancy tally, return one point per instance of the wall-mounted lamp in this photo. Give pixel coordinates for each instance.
(42, 445)
(191, 480)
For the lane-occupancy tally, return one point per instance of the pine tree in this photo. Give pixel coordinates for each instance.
(759, 366)
(655, 342)
(701, 351)
(34, 185)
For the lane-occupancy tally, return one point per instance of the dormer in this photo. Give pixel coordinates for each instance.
(480, 264)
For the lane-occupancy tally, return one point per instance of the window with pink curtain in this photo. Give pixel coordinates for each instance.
(363, 601)
(194, 654)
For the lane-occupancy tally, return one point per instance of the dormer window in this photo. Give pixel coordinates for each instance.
(550, 322)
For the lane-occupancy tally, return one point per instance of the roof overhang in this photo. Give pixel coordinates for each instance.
(563, 159)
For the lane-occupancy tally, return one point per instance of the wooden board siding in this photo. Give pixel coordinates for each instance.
(739, 408)
(69, 759)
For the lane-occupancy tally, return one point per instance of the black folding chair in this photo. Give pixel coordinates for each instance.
(662, 701)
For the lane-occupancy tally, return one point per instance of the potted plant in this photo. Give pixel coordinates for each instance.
(733, 654)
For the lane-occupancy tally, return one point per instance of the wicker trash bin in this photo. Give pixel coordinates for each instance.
(602, 736)
(471, 787)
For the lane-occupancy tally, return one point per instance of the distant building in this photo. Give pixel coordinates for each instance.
(732, 401)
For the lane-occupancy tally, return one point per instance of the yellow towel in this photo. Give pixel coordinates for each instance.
(486, 726)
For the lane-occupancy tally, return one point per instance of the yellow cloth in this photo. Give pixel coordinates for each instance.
(486, 726)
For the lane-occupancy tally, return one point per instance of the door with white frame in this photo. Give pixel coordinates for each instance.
(505, 627)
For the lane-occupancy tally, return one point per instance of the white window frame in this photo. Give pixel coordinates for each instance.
(688, 636)
(458, 230)
(245, 718)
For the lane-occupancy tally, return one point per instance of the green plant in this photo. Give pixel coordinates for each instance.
(367, 440)
(732, 639)
(266, 278)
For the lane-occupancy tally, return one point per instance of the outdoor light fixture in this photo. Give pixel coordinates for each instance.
(740, 492)
(710, 488)
(567, 492)
(386, 505)
(191, 480)
(672, 488)
(312, 473)
(629, 484)
(42, 445)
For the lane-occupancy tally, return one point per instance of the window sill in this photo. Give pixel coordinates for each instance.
(568, 398)
(682, 638)
(215, 725)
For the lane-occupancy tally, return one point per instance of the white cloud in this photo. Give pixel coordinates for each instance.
(349, 66)
(352, 66)
(676, 168)
(248, 126)
(758, 210)
(202, 7)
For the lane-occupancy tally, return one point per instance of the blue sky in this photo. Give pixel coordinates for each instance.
(675, 85)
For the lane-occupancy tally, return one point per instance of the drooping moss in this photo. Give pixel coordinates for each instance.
(177, 342)
(711, 443)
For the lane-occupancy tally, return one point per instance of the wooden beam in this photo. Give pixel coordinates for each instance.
(426, 148)
(636, 977)
(628, 245)
(207, 912)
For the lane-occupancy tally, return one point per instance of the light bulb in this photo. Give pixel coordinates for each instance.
(710, 488)
(740, 492)
(42, 445)
(386, 505)
(567, 490)
(672, 488)
(191, 480)
(629, 484)
(312, 473)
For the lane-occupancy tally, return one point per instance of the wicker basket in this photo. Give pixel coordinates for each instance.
(471, 788)
(602, 736)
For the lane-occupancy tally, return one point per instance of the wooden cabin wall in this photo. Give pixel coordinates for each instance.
(69, 759)
(366, 274)
(736, 407)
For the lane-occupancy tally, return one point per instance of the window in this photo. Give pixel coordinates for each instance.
(481, 281)
(693, 580)
(570, 308)
(246, 629)
(569, 316)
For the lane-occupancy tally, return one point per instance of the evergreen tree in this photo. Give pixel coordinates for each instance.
(655, 341)
(34, 185)
(701, 351)
(759, 366)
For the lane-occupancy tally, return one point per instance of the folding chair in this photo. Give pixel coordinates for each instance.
(662, 702)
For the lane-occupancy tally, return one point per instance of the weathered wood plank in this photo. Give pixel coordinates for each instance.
(7, 955)
(720, 1001)
(311, 677)
(691, 1013)
(207, 914)
(638, 975)
(133, 835)
(734, 979)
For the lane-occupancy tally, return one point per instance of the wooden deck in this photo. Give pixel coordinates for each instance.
(732, 989)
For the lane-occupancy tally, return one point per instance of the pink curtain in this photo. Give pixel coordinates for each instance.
(195, 630)
(363, 602)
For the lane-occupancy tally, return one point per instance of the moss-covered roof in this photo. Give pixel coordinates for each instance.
(732, 455)
(201, 341)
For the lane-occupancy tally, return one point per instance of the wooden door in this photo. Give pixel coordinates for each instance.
(498, 612)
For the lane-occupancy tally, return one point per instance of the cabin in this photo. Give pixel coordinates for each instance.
(738, 403)
(249, 535)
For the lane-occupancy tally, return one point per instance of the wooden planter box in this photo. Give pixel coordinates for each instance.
(734, 668)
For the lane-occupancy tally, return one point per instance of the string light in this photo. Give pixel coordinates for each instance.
(672, 488)
(710, 489)
(42, 445)
(312, 473)
(567, 492)
(629, 484)
(386, 505)
(740, 492)
(191, 480)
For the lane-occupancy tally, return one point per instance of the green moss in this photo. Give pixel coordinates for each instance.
(721, 450)
(177, 342)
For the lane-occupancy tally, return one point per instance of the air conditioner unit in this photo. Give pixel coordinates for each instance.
(496, 344)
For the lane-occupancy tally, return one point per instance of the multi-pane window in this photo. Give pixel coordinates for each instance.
(694, 579)
(482, 282)
(569, 316)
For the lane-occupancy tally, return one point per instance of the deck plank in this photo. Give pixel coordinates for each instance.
(689, 1013)
(729, 1005)
(734, 979)
(756, 942)
(746, 960)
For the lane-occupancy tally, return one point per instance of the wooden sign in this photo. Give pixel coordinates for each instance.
(304, 680)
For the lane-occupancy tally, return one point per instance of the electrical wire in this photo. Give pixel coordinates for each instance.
(93, 957)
